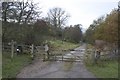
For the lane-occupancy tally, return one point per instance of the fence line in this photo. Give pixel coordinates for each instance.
(109, 54)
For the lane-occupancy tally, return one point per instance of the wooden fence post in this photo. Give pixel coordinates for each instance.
(12, 48)
(32, 50)
(43, 57)
(55, 56)
(62, 56)
(93, 56)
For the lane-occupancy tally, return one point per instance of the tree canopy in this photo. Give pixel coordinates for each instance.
(104, 28)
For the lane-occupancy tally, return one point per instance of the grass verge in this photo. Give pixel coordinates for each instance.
(11, 67)
(109, 70)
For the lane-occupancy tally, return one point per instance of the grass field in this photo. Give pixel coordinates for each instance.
(10, 67)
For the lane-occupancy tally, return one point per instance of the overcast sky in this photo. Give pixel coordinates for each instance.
(81, 11)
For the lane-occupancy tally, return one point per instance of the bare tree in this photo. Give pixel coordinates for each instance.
(33, 12)
(5, 9)
(20, 12)
(58, 17)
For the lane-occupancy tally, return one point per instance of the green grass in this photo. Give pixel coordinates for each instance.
(107, 69)
(11, 67)
(62, 45)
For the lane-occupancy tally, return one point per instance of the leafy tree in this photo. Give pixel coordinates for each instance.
(104, 29)
(73, 33)
(111, 29)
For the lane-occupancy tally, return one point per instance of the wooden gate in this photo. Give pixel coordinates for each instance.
(63, 56)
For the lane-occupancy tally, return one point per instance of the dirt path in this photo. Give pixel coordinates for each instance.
(56, 69)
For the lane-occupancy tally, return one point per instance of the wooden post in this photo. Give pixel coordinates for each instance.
(62, 56)
(97, 56)
(43, 57)
(12, 49)
(32, 49)
(93, 56)
(55, 56)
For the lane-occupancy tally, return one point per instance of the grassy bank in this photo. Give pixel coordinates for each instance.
(10, 67)
(62, 45)
(109, 70)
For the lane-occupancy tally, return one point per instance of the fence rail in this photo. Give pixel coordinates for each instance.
(8, 47)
